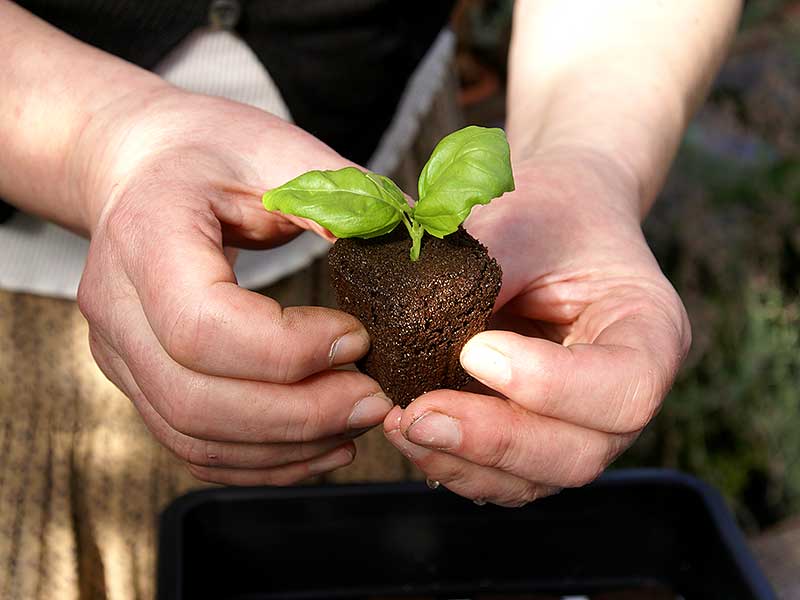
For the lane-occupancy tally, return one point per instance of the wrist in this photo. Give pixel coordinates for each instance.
(113, 140)
(619, 187)
(633, 127)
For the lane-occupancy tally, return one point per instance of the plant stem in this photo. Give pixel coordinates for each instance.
(416, 232)
(408, 225)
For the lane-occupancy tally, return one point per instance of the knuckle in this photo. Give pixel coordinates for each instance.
(285, 478)
(124, 218)
(526, 494)
(200, 453)
(592, 473)
(289, 365)
(648, 406)
(213, 453)
(639, 420)
(188, 333)
(92, 300)
(549, 383)
(86, 298)
(203, 474)
(185, 416)
(96, 349)
(285, 367)
(585, 467)
(450, 473)
(586, 473)
(501, 450)
(639, 403)
(300, 452)
(547, 491)
(310, 421)
(180, 446)
(618, 444)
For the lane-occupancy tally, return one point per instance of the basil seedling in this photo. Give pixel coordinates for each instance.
(468, 167)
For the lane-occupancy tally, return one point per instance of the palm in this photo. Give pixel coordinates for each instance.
(586, 340)
(575, 278)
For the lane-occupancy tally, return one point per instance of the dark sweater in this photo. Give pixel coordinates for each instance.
(341, 66)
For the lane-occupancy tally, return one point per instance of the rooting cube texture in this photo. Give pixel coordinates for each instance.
(418, 314)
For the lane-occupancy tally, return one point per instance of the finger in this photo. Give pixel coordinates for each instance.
(269, 232)
(239, 208)
(245, 223)
(310, 225)
(206, 453)
(478, 483)
(495, 433)
(223, 409)
(193, 450)
(269, 229)
(285, 475)
(253, 225)
(204, 320)
(217, 408)
(603, 385)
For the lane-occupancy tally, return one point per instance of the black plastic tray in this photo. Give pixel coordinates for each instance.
(632, 534)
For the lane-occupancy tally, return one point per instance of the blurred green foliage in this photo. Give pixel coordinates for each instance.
(727, 233)
(733, 416)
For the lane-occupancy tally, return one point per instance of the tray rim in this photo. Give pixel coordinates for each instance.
(170, 530)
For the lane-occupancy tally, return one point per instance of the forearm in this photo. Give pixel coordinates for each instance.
(53, 87)
(618, 79)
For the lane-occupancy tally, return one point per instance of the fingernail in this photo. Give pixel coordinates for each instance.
(435, 430)
(369, 411)
(486, 363)
(349, 347)
(409, 450)
(393, 418)
(336, 459)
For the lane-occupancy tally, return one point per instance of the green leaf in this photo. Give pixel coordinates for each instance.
(347, 202)
(471, 166)
(468, 167)
(394, 192)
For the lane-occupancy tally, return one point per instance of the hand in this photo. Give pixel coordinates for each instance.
(589, 337)
(240, 388)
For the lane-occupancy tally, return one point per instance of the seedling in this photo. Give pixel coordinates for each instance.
(468, 167)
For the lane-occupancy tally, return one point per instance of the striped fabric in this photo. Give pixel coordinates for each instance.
(82, 481)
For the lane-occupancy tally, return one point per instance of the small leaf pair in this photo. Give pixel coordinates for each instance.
(468, 167)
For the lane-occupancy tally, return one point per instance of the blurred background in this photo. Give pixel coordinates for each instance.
(726, 231)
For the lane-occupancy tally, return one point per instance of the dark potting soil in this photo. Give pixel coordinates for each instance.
(418, 314)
